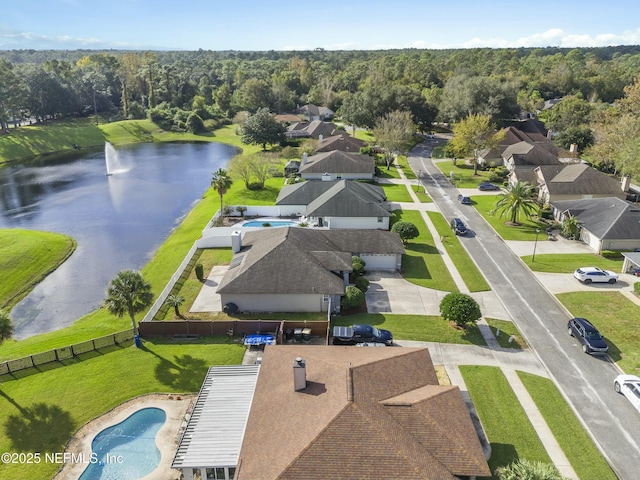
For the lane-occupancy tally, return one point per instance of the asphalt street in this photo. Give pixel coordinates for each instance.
(585, 381)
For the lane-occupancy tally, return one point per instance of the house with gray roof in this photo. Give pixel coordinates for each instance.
(314, 112)
(337, 165)
(577, 181)
(336, 204)
(294, 269)
(606, 223)
(314, 129)
(529, 155)
(343, 142)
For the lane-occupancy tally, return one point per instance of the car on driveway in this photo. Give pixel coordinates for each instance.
(458, 226)
(361, 333)
(484, 186)
(588, 335)
(629, 386)
(595, 274)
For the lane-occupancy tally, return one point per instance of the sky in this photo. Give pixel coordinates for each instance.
(253, 25)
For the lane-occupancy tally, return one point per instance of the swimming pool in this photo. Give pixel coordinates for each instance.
(127, 450)
(260, 222)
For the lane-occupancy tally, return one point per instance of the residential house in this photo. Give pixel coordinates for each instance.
(313, 112)
(336, 204)
(342, 142)
(608, 223)
(529, 155)
(495, 156)
(337, 165)
(323, 412)
(295, 269)
(315, 129)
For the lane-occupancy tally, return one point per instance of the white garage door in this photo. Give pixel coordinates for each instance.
(379, 262)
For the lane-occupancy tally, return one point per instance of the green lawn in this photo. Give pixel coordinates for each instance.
(421, 194)
(463, 173)
(42, 409)
(576, 444)
(568, 263)
(527, 231)
(504, 420)
(26, 257)
(616, 317)
(403, 164)
(472, 277)
(507, 330)
(396, 192)
(423, 328)
(422, 264)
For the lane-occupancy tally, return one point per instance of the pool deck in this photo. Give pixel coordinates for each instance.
(174, 405)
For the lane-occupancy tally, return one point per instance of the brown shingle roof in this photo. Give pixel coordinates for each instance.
(338, 162)
(369, 413)
(342, 142)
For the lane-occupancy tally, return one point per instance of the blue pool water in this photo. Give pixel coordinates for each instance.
(127, 451)
(273, 223)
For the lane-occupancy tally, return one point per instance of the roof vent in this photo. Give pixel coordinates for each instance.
(299, 374)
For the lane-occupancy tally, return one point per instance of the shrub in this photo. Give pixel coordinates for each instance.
(200, 272)
(194, 123)
(523, 469)
(498, 174)
(358, 266)
(460, 308)
(362, 284)
(406, 230)
(227, 210)
(241, 209)
(612, 254)
(353, 297)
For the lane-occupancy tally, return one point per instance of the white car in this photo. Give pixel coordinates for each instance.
(595, 274)
(629, 386)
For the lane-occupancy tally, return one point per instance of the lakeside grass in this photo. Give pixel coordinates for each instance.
(41, 409)
(576, 444)
(616, 317)
(473, 279)
(26, 258)
(505, 422)
(422, 264)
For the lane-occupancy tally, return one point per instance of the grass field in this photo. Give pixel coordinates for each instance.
(527, 231)
(463, 173)
(616, 317)
(42, 409)
(507, 330)
(568, 263)
(26, 257)
(422, 264)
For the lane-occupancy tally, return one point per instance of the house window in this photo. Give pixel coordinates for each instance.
(379, 219)
(339, 176)
(325, 298)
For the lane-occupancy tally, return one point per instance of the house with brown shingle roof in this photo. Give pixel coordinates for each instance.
(314, 112)
(314, 129)
(295, 269)
(356, 413)
(337, 165)
(343, 142)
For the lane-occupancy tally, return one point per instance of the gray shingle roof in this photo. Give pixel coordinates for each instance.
(338, 162)
(349, 199)
(342, 142)
(580, 178)
(294, 260)
(527, 154)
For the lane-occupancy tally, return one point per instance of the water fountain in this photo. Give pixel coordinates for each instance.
(112, 160)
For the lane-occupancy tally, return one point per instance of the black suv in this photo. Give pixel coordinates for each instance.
(458, 227)
(592, 341)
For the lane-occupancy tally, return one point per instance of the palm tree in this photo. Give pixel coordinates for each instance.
(221, 181)
(6, 327)
(128, 293)
(175, 301)
(518, 197)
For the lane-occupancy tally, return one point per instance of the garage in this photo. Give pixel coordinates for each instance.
(375, 261)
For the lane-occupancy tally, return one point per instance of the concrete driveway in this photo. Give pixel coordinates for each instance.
(390, 293)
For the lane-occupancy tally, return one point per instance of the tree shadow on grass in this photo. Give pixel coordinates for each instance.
(184, 374)
(40, 428)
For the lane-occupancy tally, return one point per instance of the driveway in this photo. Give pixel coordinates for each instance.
(390, 293)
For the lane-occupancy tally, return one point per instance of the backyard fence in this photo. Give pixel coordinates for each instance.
(64, 353)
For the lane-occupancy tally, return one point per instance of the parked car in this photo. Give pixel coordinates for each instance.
(488, 186)
(595, 274)
(361, 333)
(588, 335)
(458, 226)
(629, 386)
(464, 199)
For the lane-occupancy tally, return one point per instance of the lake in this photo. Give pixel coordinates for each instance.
(118, 220)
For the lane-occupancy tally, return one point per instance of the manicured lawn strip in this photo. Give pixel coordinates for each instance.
(361, 134)
(396, 192)
(403, 164)
(504, 420)
(239, 195)
(568, 263)
(616, 317)
(423, 328)
(26, 257)
(420, 193)
(391, 172)
(527, 231)
(40, 411)
(422, 264)
(576, 444)
(472, 277)
(507, 329)
(463, 173)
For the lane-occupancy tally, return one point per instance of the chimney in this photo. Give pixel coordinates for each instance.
(236, 241)
(573, 148)
(320, 138)
(299, 374)
(304, 158)
(625, 183)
